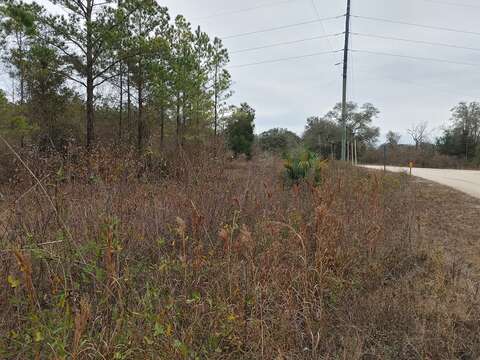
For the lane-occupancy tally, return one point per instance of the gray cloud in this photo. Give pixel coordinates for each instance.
(406, 91)
(285, 93)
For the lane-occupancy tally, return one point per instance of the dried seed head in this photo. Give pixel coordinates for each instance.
(223, 234)
(181, 226)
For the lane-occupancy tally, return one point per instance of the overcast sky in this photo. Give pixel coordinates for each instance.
(406, 91)
(285, 93)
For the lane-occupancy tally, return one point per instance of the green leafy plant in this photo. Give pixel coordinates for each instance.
(240, 129)
(302, 165)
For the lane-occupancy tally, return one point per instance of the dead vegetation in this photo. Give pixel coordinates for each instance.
(210, 259)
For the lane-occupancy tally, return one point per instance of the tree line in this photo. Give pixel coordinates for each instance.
(462, 138)
(323, 134)
(457, 146)
(125, 65)
(85, 71)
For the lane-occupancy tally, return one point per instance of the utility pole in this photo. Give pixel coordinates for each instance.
(345, 75)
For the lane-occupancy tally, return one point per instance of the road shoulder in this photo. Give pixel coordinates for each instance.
(450, 219)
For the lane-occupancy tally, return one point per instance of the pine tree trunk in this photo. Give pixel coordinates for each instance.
(140, 124)
(183, 122)
(120, 118)
(129, 102)
(216, 103)
(90, 111)
(162, 125)
(90, 80)
(178, 120)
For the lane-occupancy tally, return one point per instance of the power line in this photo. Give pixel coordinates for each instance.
(352, 73)
(252, 8)
(416, 41)
(453, 4)
(286, 59)
(283, 27)
(286, 43)
(414, 83)
(416, 57)
(416, 25)
(317, 14)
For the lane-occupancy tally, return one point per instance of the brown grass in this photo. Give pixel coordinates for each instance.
(209, 259)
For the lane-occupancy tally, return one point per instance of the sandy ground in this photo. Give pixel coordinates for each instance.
(467, 181)
(450, 220)
(448, 215)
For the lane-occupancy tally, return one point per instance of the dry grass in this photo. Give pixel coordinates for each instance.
(450, 219)
(209, 259)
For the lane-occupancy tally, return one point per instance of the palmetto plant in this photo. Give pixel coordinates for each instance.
(303, 165)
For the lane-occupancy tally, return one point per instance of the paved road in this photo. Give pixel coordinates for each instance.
(467, 181)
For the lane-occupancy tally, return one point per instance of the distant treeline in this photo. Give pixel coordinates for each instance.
(458, 146)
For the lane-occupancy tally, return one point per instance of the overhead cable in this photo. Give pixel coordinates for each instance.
(416, 41)
(282, 27)
(424, 26)
(246, 9)
(286, 59)
(416, 57)
(285, 43)
(453, 4)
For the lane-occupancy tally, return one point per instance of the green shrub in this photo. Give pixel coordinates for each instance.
(278, 141)
(476, 160)
(302, 165)
(240, 129)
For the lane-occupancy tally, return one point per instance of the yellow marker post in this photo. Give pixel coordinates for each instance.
(410, 164)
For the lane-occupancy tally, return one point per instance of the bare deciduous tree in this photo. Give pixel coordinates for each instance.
(419, 133)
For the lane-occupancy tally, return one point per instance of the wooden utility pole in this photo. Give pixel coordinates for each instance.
(345, 75)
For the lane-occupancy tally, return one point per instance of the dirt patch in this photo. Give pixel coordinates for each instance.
(451, 219)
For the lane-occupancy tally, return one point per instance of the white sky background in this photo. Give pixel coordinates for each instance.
(406, 91)
(284, 94)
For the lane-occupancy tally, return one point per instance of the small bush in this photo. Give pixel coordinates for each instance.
(240, 129)
(302, 165)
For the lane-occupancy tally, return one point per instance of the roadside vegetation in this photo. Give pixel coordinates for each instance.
(457, 147)
(131, 258)
(142, 218)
